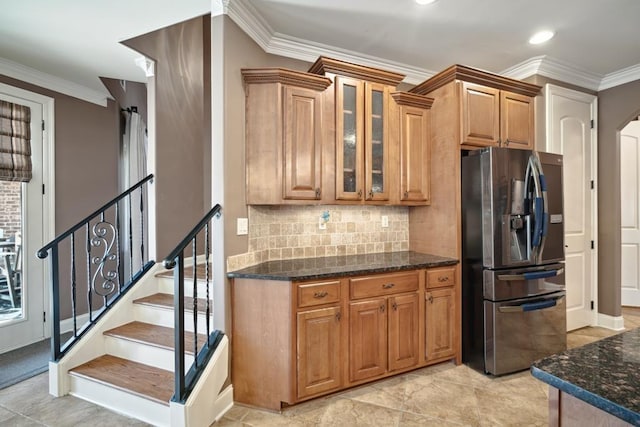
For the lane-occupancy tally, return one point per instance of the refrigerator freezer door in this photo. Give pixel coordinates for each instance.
(521, 331)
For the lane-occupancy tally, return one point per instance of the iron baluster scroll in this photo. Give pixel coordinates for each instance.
(185, 378)
(113, 249)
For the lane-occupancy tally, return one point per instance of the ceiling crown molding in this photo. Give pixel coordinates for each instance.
(252, 23)
(554, 69)
(47, 81)
(620, 77)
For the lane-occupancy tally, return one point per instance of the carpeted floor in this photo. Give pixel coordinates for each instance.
(23, 363)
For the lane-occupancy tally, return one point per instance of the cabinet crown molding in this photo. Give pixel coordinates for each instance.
(412, 99)
(472, 75)
(325, 65)
(285, 76)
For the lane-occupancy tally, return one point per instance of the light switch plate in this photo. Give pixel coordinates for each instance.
(385, 221)
(242, 227)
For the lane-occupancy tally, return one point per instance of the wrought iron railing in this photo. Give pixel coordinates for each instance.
(102, 256)
(184, 379)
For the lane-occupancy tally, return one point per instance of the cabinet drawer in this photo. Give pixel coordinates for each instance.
(318, 293)
(441, 277)
(385, 284)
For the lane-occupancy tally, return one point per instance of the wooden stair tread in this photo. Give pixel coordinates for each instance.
(143, 380)
(166, 301)
(188, 272)
(158, 336)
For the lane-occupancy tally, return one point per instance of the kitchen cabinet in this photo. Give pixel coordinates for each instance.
(297, 340)
(360, 98)
(413, 131)
(383, 326)
(284, 142)
(492, 117)
(492, 110)
(440, 314)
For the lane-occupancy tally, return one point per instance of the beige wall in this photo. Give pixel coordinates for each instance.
(616, 107)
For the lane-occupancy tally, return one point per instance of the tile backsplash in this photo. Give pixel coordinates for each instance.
(287, 232)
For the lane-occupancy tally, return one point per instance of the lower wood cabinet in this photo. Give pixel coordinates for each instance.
(293, 341)
(319, 351)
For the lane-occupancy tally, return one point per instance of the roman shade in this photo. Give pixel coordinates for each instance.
(15, 142)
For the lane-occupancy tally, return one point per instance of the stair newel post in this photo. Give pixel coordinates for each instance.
(178, 303)
(55, 296)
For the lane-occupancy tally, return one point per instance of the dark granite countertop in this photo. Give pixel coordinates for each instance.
(605, 374)
(340, 266)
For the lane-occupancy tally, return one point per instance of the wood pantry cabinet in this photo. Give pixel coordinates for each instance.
(363, 157)
(293, 341)
(284, 142)
(493, 110)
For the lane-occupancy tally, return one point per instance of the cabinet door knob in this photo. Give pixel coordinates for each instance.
(406, 194)
(395, 306)
(506, 142)
(318, 192)
(382, 308)
(430, 298)
(320, 294)
(338, 316)
(388, 285)
(370, 194)
(360, 194)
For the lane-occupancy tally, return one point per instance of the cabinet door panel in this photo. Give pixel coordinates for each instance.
(415, 162)
(367, 339)
(517, 120)
(302, 149)
(440, 323)
(480, 115)
(349, 138)
(319, 354)
(403, 331)
(376, 141)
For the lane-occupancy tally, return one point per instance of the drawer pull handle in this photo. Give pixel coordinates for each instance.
(442, 279)
(320, 294)
(388, 285)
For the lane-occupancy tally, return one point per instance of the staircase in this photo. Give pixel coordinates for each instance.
(126, 361)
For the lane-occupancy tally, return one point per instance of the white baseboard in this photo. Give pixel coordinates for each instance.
(611, 322)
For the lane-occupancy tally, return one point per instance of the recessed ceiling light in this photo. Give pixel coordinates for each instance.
(541, 37)
(425, 1)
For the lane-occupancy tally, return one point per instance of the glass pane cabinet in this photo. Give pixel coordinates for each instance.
(361, 141)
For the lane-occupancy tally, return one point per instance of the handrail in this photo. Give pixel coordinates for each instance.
(42, 253)
(185, 380)
(170, 260)
(108, 242)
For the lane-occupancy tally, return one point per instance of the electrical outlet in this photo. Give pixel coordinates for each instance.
(385, 221)
(322, 225)
(242, 226)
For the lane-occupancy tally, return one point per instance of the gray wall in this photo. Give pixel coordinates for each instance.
(183, 130)
(616, 107)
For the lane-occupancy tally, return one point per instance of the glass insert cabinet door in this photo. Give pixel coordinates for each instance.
(361, 141)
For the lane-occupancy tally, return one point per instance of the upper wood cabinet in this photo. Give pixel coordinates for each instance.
(413, 132)
(360, 98)
(284, 142)
(493, 110)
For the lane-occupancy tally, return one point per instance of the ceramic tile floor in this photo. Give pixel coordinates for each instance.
(441, 395)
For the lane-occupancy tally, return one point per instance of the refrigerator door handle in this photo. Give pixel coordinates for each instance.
(531, 306)
(532, 275)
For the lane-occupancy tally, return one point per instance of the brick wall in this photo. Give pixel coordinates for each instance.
(10, 207)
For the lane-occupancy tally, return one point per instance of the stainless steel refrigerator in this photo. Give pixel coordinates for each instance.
(513, 290)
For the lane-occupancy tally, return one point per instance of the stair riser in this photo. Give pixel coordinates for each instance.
(164, 317)
(165, 285)
(120, 401)
(143, 353)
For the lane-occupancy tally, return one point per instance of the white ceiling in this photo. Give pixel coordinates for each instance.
(77, 41)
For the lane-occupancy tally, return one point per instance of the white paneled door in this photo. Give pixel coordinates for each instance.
(570, 115)
(630, 218)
